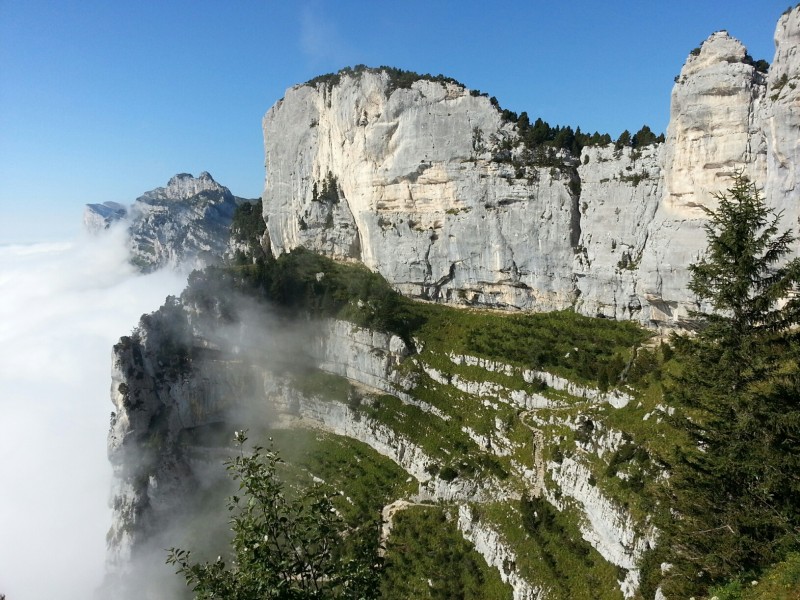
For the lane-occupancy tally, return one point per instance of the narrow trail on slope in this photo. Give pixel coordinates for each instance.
(538, 458)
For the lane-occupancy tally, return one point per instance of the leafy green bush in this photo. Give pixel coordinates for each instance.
(281, 548)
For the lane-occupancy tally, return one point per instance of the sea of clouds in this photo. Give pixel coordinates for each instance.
(62, 307)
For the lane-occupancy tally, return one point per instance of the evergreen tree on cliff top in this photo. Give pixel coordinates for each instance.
(734, 490)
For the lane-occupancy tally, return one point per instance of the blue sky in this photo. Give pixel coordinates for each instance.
(102, 100)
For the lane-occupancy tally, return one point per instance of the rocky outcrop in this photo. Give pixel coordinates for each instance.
(364, 355)
(497, 554)
(430, 187)
(186, 223)
(616, 398)
(714, 131)
(181, 375)
(607, 527)
(342, 420)
(781, 120)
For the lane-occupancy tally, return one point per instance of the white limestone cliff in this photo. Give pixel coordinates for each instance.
(781, 121)
(620, 191)
(173, 378)
(714, 131)
(497, 554)
(425, 197)
(420, 199)
(607, 527)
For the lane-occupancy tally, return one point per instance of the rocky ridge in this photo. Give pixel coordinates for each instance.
(407, 181)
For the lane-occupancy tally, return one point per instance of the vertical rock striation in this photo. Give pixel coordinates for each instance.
(714, 131)
(781, 120)
(421, 195)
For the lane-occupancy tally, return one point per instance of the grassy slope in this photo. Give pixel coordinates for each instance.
(592, 352)
(423, 540)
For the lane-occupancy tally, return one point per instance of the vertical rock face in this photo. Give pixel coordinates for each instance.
(714, 131)
(781, 120)
(419, 194)
(419, 184)
(620, 189)
(714, 127)
(194, 370)
(181, 378)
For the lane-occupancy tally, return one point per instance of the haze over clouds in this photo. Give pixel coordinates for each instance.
(62, 307)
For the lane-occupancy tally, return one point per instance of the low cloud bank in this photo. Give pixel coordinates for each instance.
(62, 307)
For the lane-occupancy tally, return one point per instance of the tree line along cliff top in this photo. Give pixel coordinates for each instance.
(533, 135)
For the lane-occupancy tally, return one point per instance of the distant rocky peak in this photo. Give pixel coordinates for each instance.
(98, 217)
(185, 224)
(184, 186)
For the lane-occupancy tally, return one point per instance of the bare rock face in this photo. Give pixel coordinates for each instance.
(183, 225)
(98, 217)
(423, 184)
(713, 133)
(781, 121)
(714, 128)
(620, 190)
(410, 182)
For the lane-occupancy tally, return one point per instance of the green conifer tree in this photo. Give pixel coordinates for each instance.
(734, 488)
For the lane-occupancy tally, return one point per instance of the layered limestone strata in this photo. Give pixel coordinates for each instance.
(428, 186)
(607, 528)
(497, 554)
(181, 375)
(177, 378)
